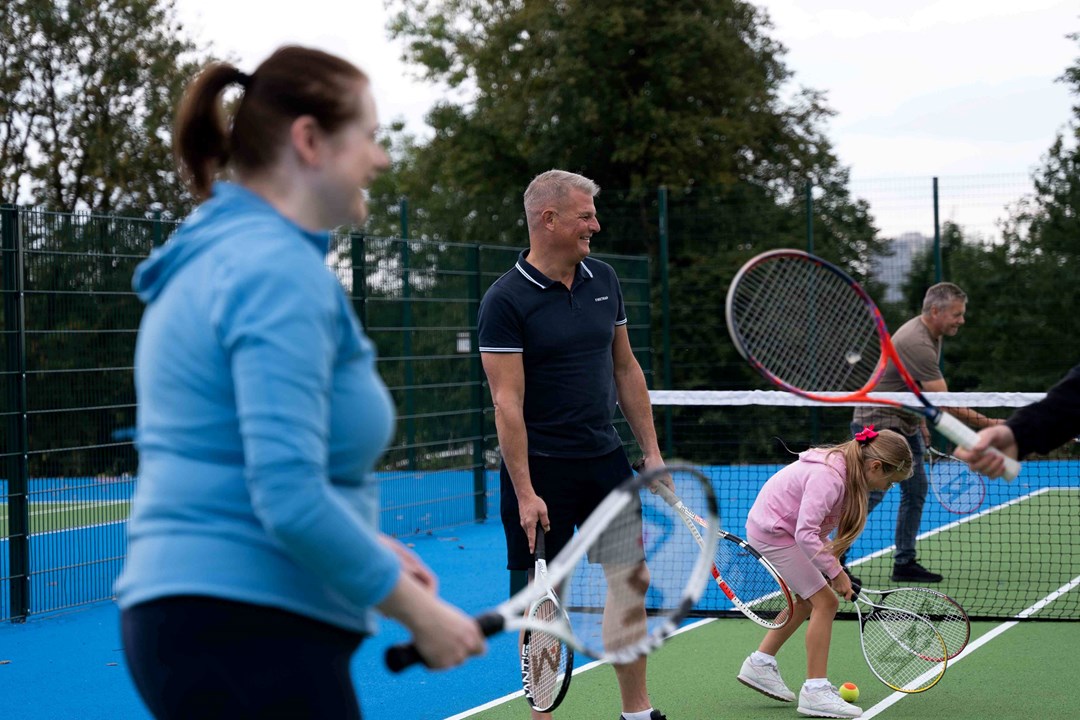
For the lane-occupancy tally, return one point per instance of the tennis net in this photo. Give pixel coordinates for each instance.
(1014, 555)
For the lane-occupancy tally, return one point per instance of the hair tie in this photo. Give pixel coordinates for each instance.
(243, 78)
(867, 434)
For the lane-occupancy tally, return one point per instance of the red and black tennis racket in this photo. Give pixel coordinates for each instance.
(809, 328)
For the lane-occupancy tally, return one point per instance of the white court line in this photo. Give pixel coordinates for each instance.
(961, 521)
(895, 697)
(983, 639)
(577, 670)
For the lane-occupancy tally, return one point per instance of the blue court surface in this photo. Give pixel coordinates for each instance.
(70, 665)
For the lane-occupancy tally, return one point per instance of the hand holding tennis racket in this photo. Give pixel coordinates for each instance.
(546, 661)
(626, 579)
(809, 328)
(747, 579)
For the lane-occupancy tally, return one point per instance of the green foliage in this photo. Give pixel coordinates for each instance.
(635, 95)
(89, 90)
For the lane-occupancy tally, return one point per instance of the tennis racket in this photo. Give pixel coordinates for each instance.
(627, 578)
(546, 661)
(956, 486)
(747, 579)
(946, 615)
(901, 648)
(809, 328)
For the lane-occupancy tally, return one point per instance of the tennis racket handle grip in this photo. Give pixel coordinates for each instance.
(405, 655)
(400, 657)
(965, 437)
(491, 623)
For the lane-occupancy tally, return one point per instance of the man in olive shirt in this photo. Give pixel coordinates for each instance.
(918, 342)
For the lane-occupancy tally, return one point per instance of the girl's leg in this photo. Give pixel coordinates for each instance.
(775, 639)
(819, 632)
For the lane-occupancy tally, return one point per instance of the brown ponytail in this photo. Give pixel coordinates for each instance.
(292, 82)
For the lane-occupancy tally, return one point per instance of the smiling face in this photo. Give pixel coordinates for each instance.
(575, 223)
(946, 321)
(354, 159)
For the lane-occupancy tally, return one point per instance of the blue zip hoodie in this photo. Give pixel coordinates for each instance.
(260, 417)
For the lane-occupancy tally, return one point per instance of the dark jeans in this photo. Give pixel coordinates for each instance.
(201, 657)
(912, 498)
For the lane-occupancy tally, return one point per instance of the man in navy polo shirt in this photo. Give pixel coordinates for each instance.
(555, 349)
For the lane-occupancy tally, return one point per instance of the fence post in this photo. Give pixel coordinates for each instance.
(409, 409)
(17, 454)
(665, 312)
(477, 377)
(938, 270)
(158, 231)
(358, 258)
(815, 413)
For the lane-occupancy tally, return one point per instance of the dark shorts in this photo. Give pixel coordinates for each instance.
(202, 657)
(572, 488)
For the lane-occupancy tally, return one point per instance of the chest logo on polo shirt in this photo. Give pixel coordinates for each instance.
(602, 298)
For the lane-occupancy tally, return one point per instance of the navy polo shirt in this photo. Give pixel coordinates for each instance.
(565, 338)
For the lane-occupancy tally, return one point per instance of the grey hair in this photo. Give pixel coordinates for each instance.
(941, 296)
(549, 187)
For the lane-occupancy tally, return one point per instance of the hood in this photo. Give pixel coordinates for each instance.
(834, 460)
(231, 210)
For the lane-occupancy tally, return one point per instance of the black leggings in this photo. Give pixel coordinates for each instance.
(201, 657)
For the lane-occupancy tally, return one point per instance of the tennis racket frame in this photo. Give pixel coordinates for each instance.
(940, 420)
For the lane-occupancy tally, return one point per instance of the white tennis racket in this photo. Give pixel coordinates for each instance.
(948, 617)
(627, 578)
(547, 663)
(956, 486)
(902, 649)
(748, 580)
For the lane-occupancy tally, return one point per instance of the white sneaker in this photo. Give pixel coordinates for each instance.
(826, 702)
(766, 680)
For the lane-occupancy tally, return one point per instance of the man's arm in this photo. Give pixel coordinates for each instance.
(506, 377)
(969, 416)
(633, 396)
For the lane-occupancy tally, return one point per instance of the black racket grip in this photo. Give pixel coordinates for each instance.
(405, 655)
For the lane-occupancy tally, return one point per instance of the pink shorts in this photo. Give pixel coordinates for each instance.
(800, 574)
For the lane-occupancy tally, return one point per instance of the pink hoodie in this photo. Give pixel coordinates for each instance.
(801, 505)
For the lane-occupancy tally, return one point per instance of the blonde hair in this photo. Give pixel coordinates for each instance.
(891, 449)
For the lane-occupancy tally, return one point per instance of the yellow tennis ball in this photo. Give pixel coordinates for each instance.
(850, 692)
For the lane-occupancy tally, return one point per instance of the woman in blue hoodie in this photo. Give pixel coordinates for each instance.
(254, 558)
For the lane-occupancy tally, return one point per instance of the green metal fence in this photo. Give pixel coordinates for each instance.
(70, 320)
(69, 323)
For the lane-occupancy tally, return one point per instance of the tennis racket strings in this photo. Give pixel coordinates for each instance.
(804, 324)
(749, 581)
(644, 573)
(947, 616)
(956, 486)
(547, 662)
(901, 648)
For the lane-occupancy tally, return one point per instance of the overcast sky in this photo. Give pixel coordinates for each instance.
(921, 87)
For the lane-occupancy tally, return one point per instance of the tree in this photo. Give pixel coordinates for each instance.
(89, 90)
(690, 95)
(635, 95)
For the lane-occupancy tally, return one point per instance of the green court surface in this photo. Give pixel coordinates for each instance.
(1026, 670)
(48, 516)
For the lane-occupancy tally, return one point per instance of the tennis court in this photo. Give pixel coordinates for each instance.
(1015, 556)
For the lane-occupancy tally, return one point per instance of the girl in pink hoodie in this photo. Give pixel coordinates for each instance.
(790, 523)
